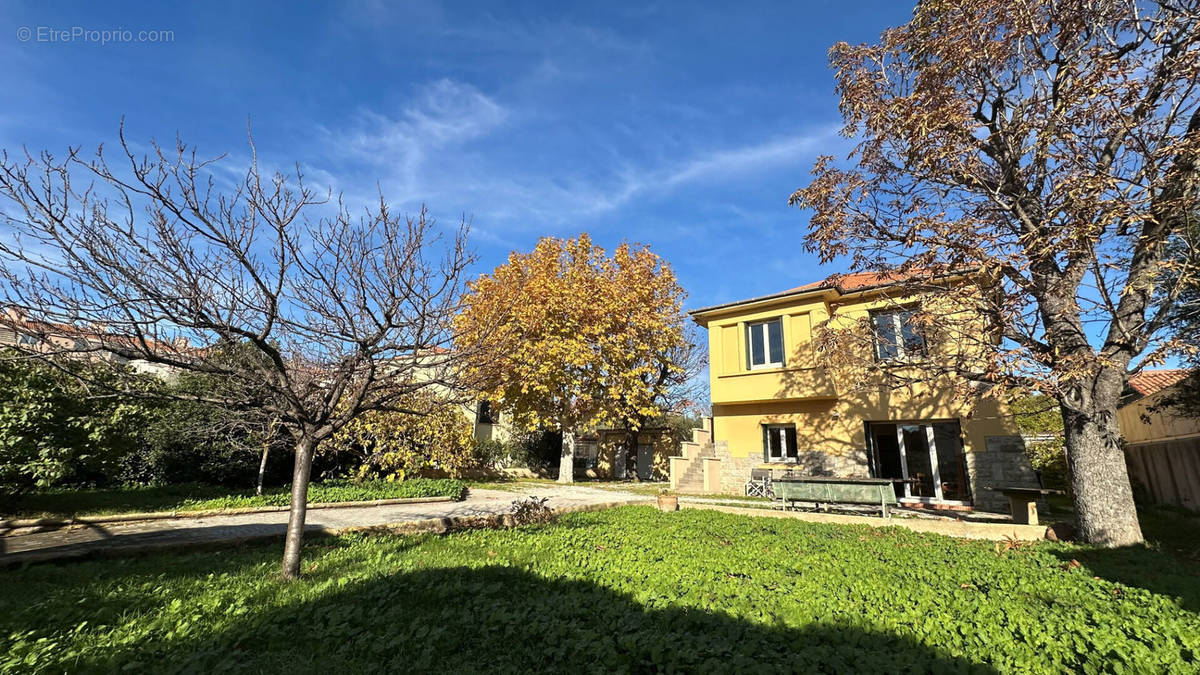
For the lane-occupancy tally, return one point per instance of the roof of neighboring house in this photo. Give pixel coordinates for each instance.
(98, 336)
(1152, 381)
(842, 283)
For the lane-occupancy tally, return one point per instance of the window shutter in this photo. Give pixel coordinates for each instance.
(766, 443)
(749, 363)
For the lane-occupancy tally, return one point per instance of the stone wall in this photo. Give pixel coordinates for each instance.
(1003, 464)
(735, 471)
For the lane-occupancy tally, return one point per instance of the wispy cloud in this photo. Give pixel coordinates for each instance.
(456, 147)
(442, 116)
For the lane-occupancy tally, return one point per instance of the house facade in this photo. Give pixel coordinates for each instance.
(1162, 446)
(777, 404)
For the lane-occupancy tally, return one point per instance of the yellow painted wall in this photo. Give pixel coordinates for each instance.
(835, 427)
(1141, 425)
(610, 442)
(828, 414)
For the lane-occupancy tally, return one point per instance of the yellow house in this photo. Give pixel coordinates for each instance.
(778, 405)
(1162, 447)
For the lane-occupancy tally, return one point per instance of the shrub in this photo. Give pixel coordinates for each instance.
(54, 431)
(1050, 459)
(394, 446)
(492, 453)
(190, 442)
(538, 451)
(1039, 417)
(532, 510)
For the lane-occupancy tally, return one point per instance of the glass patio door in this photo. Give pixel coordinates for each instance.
(931, 461)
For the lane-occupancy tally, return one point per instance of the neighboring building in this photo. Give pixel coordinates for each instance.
(490, 424)
(1162, 448)
(95, 343)
(436, 365)
(777, 406)
(602, 454)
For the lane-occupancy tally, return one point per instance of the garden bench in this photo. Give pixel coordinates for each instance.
(829, 490)
(1022, 501)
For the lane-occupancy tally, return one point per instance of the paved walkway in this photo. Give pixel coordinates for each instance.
(82, 540)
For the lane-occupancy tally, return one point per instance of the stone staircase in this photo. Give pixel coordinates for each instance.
(687, 469)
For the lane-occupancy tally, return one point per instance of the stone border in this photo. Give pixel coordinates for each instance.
(10, 528)
(426, 525)
(951, 528)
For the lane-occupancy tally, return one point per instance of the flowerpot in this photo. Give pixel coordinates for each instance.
(668, 503)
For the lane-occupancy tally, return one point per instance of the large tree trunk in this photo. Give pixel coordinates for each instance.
(566, 466)
(1104, 510)
(295, 529)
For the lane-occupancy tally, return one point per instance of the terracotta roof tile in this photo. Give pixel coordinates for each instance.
(848, 283)
(1150, 381)
(843, 283)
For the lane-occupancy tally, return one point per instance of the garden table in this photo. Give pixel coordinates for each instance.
(1022, 501)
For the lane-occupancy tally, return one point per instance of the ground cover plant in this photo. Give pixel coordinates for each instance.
(62, 503)
(623, 589)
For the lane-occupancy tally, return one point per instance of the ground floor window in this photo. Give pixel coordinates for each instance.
(779, 443)
(925, 457)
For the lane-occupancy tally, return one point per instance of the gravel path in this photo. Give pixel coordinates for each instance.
(82, 540)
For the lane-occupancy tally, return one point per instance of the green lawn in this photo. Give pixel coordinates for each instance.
(66, 503)
(623, 589)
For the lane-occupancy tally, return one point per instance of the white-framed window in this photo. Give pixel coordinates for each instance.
(896, 336)
(764, 344)
(779, 443)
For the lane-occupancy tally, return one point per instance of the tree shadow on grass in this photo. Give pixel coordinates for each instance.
(89, 540)
(503, 619)
(1169, 565)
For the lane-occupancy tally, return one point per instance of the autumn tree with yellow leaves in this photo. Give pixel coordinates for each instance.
(431, 434)
(567, 337)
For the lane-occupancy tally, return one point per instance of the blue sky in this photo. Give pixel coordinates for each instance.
(682, 128)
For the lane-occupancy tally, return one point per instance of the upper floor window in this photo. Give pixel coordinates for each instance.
(896, 335)
(764, 342)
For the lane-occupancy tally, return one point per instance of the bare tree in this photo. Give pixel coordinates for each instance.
(335, 314)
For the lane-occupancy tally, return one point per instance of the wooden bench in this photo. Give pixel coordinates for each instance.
(829, 490)
(1022, 501)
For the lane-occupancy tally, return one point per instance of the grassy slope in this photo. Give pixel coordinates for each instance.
(62, 503)
(623, 589)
